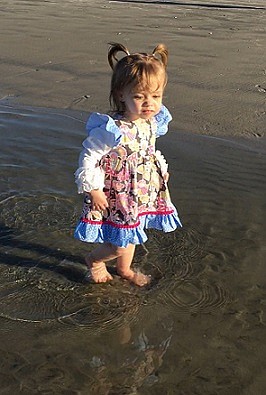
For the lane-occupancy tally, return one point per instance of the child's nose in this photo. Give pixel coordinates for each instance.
(147, 101)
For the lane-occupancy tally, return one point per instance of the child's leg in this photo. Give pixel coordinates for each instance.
(95, 262)
(124, 261)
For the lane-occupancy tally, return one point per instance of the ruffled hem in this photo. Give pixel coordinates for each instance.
(122, 236)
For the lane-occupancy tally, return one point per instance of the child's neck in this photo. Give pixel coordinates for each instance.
(132, 119)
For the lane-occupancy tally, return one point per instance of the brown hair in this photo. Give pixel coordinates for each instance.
(136, 68)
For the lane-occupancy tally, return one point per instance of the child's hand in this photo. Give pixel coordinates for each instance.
(166, 176)
(99, 201)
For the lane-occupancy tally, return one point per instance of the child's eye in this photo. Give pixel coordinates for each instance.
(138, 97)
(156, 96)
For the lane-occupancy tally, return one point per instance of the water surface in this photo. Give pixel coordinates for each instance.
(198, 329)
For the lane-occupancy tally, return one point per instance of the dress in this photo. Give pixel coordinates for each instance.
(119, 157)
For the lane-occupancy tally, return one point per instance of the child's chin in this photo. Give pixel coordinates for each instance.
(147, 114)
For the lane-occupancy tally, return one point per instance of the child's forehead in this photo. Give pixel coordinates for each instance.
(152, 86)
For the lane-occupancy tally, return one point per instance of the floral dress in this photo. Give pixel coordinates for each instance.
(119, 157)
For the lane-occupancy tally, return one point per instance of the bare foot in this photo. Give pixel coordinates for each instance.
(97, 271)
(136, 278)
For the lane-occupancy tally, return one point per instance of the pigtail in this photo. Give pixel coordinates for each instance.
(161, 52)
(113, 50)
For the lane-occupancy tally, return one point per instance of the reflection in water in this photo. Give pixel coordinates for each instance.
(136, 365)
(189, 330)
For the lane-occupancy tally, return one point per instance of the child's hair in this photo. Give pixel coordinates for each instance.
(136, 69)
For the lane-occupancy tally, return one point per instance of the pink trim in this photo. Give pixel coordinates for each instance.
(89, 221)
(166, 212)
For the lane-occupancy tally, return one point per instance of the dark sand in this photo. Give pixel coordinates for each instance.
(200, 327)
(53, 54)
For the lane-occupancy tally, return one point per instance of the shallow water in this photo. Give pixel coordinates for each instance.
(198, 329)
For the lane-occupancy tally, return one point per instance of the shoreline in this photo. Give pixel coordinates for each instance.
(241, 142)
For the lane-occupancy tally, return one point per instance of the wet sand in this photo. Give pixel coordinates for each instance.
(53, 54)
(200, 327)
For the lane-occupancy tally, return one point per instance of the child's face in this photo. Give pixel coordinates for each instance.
(142, 102)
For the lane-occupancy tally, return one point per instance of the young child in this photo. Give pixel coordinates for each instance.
(124, 179)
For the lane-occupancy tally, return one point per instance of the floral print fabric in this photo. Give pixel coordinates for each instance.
(134, 185)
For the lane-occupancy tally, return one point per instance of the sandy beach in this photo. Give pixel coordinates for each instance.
(200, 327)
(53, 54)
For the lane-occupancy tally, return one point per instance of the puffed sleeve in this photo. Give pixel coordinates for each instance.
(162, 118)
(103, 135)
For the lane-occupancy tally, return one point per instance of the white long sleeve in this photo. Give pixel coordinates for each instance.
(90, 175)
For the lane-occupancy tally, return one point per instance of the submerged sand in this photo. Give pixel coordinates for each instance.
(200, 327)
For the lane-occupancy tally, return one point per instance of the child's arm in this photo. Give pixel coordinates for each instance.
(89, 175)
(162, 119)
(162, 164)
(103, 135)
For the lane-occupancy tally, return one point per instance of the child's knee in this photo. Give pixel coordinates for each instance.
(119, 251)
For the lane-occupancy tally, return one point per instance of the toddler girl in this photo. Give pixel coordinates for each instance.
(124, 179)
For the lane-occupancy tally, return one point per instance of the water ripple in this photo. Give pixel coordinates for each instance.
(34, 212)
(181, 279)
(36, 297)
(179, 253)
(196, 297)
